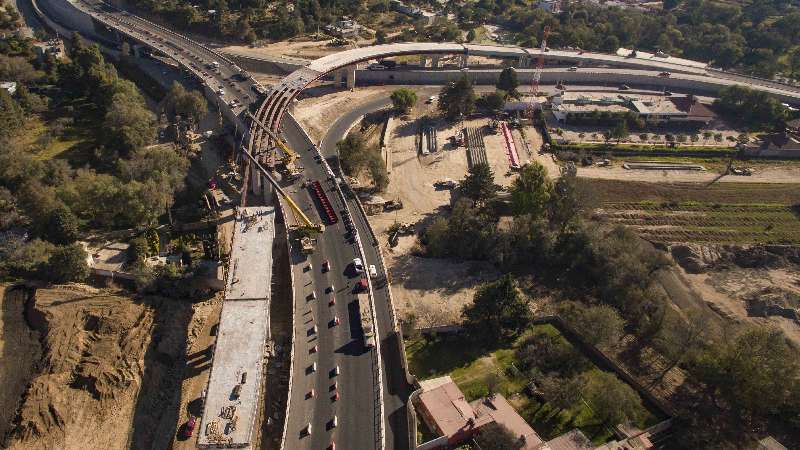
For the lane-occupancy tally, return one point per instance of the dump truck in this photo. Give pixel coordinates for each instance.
(366, 318)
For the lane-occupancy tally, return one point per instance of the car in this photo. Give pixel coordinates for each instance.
(329, 289)
(358, 266)
(307, 429)
(362, 285)
(189, 426)
(221, 92)
(373, 273)
(664, 74)
(431, 99)
(624, 87)
(326, 266)
(376, 67)
(572, 69)
(334, 372)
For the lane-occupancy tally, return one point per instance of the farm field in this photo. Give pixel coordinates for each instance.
(726, 213)
(699, 222)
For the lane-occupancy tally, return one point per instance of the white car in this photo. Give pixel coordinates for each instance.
(373, 273)
(358, 265)
(221, 92)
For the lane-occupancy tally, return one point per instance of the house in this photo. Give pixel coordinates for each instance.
(412, 11)
(551, 6)
(445, 410)
(653, 109)
(346, 28)
(9, 86)
(777, 145)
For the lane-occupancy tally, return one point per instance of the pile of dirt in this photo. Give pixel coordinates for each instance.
(703, 258)
(89, 373)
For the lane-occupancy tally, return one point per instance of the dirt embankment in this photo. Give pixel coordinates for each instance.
(743, 284)
(107, 372)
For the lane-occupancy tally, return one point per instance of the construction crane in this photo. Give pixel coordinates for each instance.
(289, 156)
(307, 223)
(537, 73)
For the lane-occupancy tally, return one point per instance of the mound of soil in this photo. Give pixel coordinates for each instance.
(702, 258)
(94, 343)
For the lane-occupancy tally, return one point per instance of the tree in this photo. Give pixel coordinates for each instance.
(620, 131)
(138, 250)
(62, 227)
(128, 125)
(756, 370)
(498, 310)
(562, 393)
(11, 115)
(531, 191)
(471, 35)
(479, 185)
(611, 400)
(495, 436)
(67, 264)
(494, 101)
(567, 201)
(380, 37)
(352, 153)
(403, 100)
(755, 109)
(508, 82)
(457, 99)
(185, 103)
(599, 325)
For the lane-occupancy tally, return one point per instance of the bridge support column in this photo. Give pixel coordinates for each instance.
(338, 77)
(523, 62)
(423, 61)
(351, 76)
(435, 62)
(464, 60)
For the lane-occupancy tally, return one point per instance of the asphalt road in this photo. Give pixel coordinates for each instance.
(396, 387)
(340, 345)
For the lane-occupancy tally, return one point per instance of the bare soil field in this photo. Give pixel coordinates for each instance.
(317, 113)
(110, 373)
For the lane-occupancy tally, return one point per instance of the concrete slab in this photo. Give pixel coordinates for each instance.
(234, 386)
(251, 254)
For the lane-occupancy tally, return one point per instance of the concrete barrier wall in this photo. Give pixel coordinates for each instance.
(581, 77)
(68, 15)
(265, 65)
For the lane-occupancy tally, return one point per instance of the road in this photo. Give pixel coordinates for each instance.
(340, 345)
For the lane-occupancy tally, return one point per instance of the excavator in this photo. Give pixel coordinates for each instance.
(308, 225)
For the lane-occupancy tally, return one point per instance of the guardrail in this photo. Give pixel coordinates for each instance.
(377, 370)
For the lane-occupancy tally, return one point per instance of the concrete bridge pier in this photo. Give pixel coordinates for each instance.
(351, 76)
(523, 62)
(435, 60)
(464, 60)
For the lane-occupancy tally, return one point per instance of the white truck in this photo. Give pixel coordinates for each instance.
(366, 319)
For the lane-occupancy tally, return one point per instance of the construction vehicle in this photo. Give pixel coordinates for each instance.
(298, 212)
(446, 183)
(289, 156)
(366, 318)
(307, 245)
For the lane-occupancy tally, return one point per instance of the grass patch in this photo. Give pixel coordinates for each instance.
(478, 370)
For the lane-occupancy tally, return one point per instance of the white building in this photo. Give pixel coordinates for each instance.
(605, 106)
(551, 6)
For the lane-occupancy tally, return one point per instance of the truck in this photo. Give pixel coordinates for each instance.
(366, 318)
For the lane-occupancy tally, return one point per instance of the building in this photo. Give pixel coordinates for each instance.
(445, 410)
(571, 107)
(551, 6)
(9, 86)
(346, 28)
(784, 145)
(412, 11)
(53, 47)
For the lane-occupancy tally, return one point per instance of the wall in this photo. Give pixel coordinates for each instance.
(66, 14)
(265, 65)
(584, 76)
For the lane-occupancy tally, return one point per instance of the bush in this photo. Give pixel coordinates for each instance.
(67, 264)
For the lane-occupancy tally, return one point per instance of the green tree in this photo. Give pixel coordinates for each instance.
(352, 153)
(62, 227)
(138, 250)
(67, 264)
(508, 82)
(11, 115)
(380, 37)
(756, 370)
(562, 393)
(612, 401)
(498, 310)
(620, 131)
(128, 125)
(457, 99)
(531, 191)
(599, 325)
(495, 436)
(494, 101)
(479, 185)
(471, 35)
(403, 99)
(186, 103)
